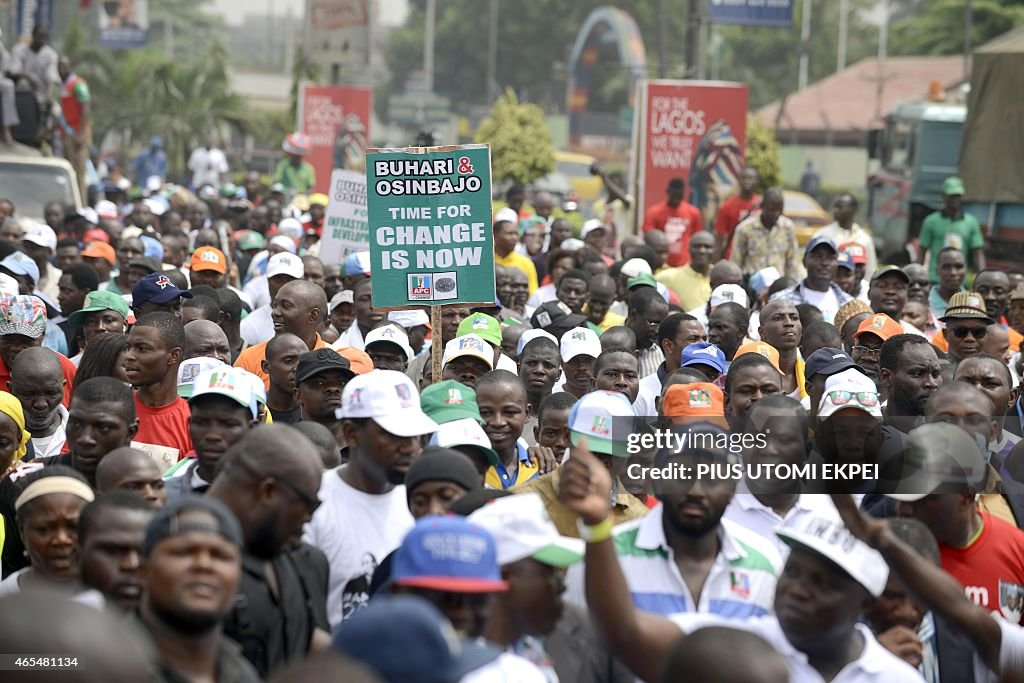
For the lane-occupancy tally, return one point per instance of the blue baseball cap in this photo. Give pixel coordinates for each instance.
(703, 353)
(19, 263)
(448, 554)
(357, 263)
(405, 639)
(817, 242)
(828, 361)
(845, 260)
(156, 288)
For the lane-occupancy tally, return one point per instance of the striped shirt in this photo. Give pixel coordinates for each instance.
(741, 583)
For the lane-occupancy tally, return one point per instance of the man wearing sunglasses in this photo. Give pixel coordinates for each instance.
(966, 322)
(270, 483)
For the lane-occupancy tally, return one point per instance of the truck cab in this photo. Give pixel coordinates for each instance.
(918, 149)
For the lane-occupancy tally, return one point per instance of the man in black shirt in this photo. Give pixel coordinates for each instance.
(270, 481)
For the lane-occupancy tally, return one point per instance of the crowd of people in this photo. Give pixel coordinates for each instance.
(215, 449)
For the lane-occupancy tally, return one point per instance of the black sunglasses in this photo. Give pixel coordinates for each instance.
(976, 332)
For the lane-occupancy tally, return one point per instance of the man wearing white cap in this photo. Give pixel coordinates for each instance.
(364, 514)
(416, 325)
(819, 598)
(282, 268)
(506, 237)
(721, 294)
(579, 348)
(850, 421)
(466, 359)
(40, 242)
(388, 348)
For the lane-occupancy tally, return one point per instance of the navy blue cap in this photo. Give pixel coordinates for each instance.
(166, 522)
(828, 361)
(157, 288)
(844, 260)
(703, 353)
(405, 639)
(817, 242)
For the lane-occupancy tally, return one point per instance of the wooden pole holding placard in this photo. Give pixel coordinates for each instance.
(436, 344)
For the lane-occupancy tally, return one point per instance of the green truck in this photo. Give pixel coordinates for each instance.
(982, 141)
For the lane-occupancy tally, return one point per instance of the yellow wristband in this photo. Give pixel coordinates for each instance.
(601, 531)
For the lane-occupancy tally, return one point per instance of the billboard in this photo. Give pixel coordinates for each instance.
(694, 130)
(337, 121)
(430, 226)
(124, 25)
(339, 31)
(751, 12)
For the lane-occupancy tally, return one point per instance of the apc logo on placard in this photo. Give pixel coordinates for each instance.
(421, 287)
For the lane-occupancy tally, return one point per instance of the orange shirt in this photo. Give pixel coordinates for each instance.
(252, 359)
(679, 224)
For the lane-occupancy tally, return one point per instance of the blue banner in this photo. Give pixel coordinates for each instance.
(752, 12)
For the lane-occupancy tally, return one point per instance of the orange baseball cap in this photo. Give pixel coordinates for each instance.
(879, 325)
(209, 258)
(763, 348)
(100, 250)
(358, 360)
(695, 402)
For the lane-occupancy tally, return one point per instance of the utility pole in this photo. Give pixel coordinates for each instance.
(968, 28)
(492, 54)
(805, 47)
(695, 39)
(883, 53)
(662, 40)
(428, 46)
(844, 19)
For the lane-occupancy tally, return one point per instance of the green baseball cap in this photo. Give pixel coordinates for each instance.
(252, 240)
(482, 325)
(448, 401)
(953, 186)
(99, 301)
(641, 279)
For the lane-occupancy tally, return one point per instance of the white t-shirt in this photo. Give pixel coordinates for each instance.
(353, 337)
(46, 446)
(650, 389)
(507, 668)
(875, 664)
(1011, 655)
(355, 530)
(258, 291)
(825, 302)
(257, 327)
(207, 166)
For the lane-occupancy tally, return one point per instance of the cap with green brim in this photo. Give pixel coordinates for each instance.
(643, 279)
(448, 401)
(591, 418)
(99, 301)
(522, 528)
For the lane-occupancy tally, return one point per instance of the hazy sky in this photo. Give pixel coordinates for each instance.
(391, 11)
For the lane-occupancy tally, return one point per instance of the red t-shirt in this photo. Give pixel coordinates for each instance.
(991, 569)
(732, 213)
(69, 376)
(163, 430)
(679, 223)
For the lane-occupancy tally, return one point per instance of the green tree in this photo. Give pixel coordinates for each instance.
(937, 27)
(521, 149)
(763, 153)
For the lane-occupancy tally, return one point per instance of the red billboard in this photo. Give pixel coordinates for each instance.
(337, 121)
(695, 130)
